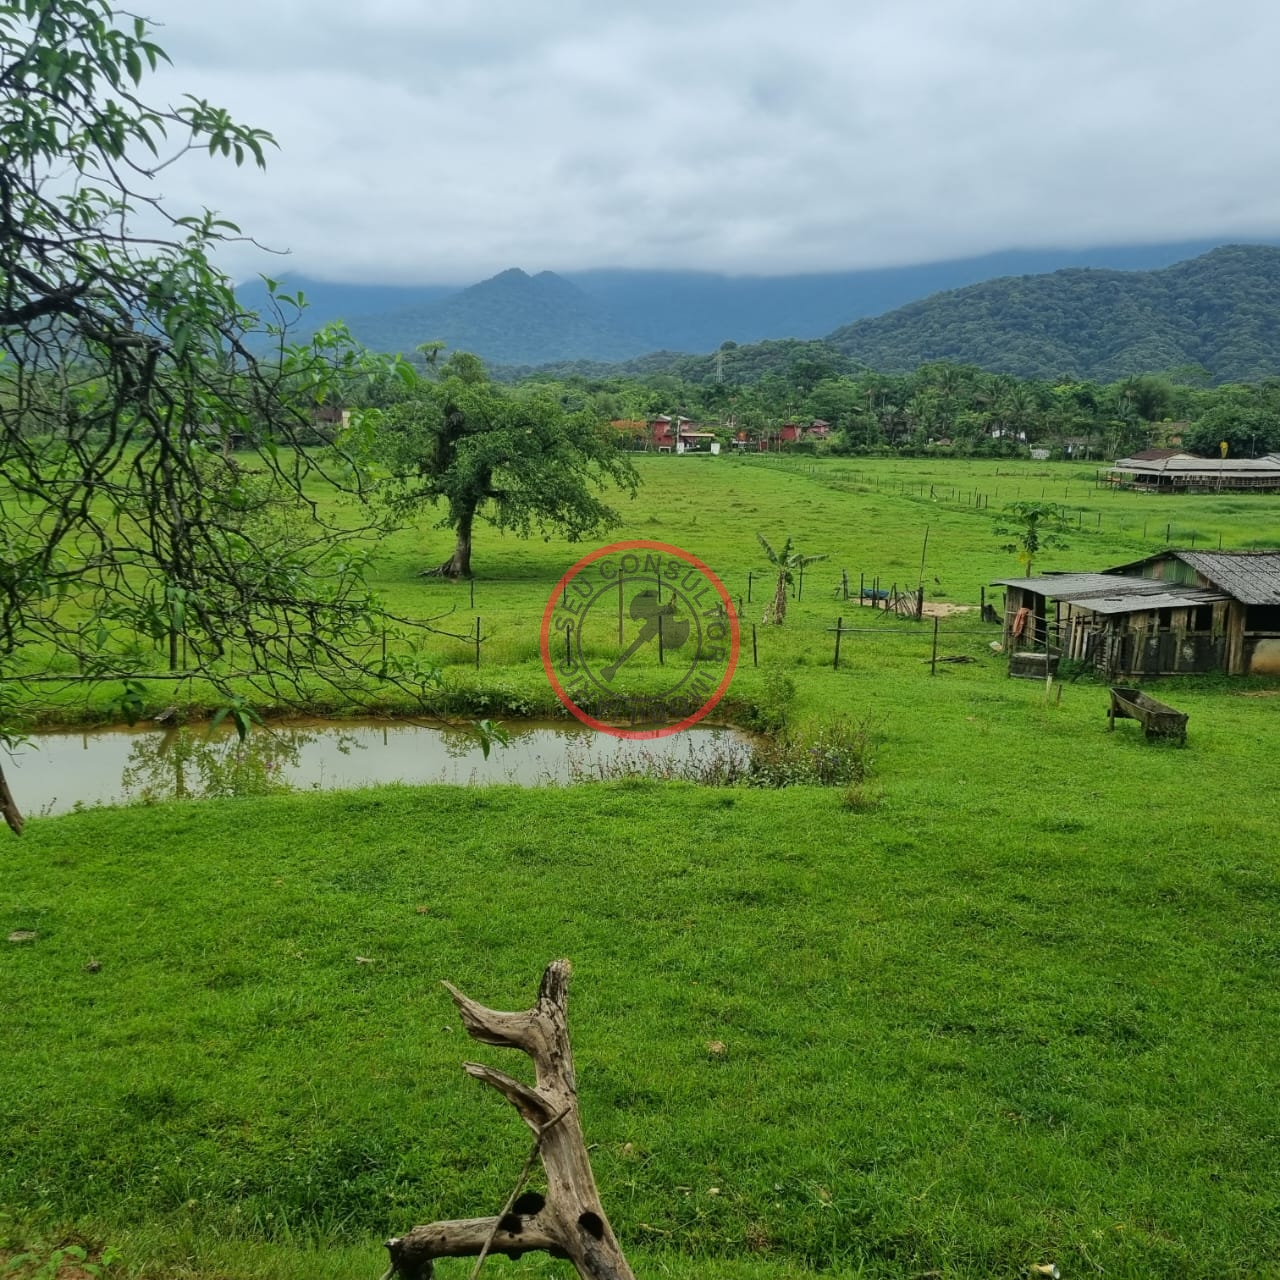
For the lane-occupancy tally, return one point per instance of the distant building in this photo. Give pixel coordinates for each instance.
(794, 432)
(665, 433)
(1173, 471)
(1077, 447)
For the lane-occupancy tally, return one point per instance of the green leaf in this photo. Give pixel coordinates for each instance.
(489, 734)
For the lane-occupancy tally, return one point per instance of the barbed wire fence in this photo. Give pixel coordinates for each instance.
(847, 616)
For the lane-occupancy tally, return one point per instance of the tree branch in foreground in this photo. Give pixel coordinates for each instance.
(9, 807)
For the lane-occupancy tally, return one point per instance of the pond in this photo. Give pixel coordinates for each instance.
(58, 772)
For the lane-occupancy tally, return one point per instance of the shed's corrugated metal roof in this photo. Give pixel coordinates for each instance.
(1252, 577)
(1172, 598)
(1072, 586)
(1183, 464)
(1113, 593)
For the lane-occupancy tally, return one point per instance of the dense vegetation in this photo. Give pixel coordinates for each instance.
(1220, 312)
(128, 378)
(1214, 319)
(938, 408)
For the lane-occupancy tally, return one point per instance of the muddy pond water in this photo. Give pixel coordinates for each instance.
(58, 772)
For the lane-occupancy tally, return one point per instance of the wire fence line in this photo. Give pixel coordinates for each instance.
(842, 619)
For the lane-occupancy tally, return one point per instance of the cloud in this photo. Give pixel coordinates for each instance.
(446, 142)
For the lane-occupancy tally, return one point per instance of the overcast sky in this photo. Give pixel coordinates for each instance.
(427, 141)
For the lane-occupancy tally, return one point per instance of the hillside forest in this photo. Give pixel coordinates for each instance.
(1215, 315)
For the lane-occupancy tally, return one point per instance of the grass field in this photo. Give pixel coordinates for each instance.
(869, 516)
(1015, 1005)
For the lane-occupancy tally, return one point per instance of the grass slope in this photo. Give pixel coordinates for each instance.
(1017, 1006)
(1009, 1015)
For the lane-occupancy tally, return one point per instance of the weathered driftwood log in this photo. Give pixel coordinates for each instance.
(571, 1222)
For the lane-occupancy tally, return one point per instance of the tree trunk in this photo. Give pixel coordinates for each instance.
(8, 807)
(775, 613)
(458, 565)
(570, 1222)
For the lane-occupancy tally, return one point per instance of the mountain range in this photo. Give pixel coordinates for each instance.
(1129, 310)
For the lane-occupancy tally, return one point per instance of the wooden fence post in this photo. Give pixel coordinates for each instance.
(933, 662)
(839, 626)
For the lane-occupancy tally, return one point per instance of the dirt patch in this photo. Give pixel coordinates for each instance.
(942, 609)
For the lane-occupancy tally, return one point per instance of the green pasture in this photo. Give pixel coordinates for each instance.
(870, 517)
(1011, 1003)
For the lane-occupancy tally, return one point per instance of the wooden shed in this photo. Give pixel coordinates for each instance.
(1175, 613)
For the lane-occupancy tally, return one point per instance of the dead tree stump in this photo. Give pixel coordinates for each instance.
(571, 1222)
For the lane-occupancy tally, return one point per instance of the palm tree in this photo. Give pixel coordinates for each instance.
(786, 564)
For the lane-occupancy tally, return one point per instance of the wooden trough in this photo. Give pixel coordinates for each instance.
(1156, 719)
(1026, 664)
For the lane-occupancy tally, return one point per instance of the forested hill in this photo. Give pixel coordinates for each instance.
(513, 318)
(1220, 311)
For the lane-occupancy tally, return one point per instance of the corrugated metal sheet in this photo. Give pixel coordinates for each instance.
(1111, 593)
(1252, 577)
(1071, 586)
(1182, 464)
(1171, 598)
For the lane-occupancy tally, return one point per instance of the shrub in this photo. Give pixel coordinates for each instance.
(834, 754)
(771, 711)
